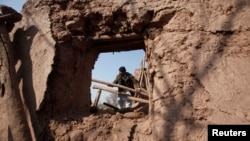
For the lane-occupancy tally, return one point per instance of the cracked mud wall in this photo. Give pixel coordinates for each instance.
(199, 68)
(197, 53)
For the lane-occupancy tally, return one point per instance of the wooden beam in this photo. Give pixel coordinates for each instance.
(120, 93)
(111, 106)
(120, 86)
(117, 37)
(117, 43)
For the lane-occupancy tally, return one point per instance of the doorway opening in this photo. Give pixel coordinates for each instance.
(113, 53)
(106, 68)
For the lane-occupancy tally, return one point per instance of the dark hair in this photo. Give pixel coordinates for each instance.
(122, 69)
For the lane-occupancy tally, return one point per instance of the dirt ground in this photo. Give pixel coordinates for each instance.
(106, 124)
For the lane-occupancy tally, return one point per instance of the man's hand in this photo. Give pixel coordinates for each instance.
(138, 90)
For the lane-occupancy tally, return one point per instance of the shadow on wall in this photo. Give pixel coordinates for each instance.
(175, 110)
(22, 42)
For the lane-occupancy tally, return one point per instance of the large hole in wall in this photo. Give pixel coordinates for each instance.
(106, 68)
(128, 51)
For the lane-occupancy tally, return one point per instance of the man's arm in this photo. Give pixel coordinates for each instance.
(116, 79)
(135, 82)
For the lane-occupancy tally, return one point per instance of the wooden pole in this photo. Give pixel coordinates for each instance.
(120, 86)
(97, 98)
(111, 106)
(120, 93)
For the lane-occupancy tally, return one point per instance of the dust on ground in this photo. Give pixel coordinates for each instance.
(105, 124)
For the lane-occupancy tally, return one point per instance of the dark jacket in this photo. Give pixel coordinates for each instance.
(127, 80)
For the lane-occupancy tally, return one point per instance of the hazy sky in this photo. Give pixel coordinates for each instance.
(106, 67)
(16, 4)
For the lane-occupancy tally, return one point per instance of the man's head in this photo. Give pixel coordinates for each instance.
(122, 70)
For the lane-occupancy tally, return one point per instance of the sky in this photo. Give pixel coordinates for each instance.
(107, 65)
(16, 4)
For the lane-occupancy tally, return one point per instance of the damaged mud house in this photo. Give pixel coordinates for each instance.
(198, 64)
